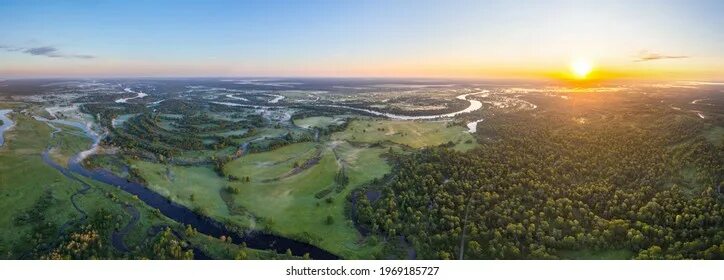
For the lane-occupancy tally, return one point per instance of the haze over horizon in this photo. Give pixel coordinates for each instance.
(648, 40)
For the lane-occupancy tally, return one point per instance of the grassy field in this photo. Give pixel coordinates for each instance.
(362, 163)
(286, 206)
(238, 132)
(319, 122)
(217, 249)
(415, 134)
(24, 178)
(266, 166)
(67, 143)
(196, 187)
(289, 206)
(279, 197)
(111, 162)
(716, 135)
(200, 155)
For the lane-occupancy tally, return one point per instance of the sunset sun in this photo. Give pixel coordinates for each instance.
(581, 68)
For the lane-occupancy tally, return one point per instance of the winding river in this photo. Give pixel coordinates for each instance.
(474, 106)
(175, 211)
(236, 97)
(473, 126)
(7, 124)
(276, 99)
(138, 95)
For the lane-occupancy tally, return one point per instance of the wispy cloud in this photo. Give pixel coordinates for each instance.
(48, 51)
(9, 48)
(648, 56)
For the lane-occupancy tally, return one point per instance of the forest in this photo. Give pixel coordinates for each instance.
(643, 184)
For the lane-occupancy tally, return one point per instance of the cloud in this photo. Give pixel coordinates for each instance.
(82, 56)
(48, 51)
(10, 49)
(648, 56)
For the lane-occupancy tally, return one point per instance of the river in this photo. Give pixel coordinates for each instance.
(7, 124)
(474, 106)
(276, 99)
(473, 126)
(236, 97)
(138, 95)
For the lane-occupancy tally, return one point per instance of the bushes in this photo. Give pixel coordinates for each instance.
(323, 193)
(232, 189)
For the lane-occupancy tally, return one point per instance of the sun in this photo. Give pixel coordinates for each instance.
(580, 68)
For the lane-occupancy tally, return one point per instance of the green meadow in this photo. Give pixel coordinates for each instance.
(68, 142)
(318, 121)
(292, 205)
(271, 165)
(415, 134)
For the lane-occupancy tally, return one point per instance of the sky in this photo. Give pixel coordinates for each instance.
(632, 39)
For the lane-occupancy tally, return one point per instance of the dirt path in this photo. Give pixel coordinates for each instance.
(296, 170)
(465, 222)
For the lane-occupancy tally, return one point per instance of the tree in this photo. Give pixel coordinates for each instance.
(190, 231)
(652, 253)
(241, 255)
(168, 247)
(329, 220)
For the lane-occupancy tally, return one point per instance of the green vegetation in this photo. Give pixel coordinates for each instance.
(167, 136)
(585, 254)
(260, 167)
(544, 186)
(318, 121)
(24, 179)
(111, 162)
(715, 135)
(290, 206)
(68, 142)
(224, 249)
(280, 194)
(197, 187)
(415, 134)
(37, 199)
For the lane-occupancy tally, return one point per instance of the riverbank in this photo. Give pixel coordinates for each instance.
(6, 125)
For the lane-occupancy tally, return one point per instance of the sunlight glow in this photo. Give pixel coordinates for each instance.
(580, 68)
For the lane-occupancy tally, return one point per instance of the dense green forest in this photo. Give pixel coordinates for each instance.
(643, 183)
